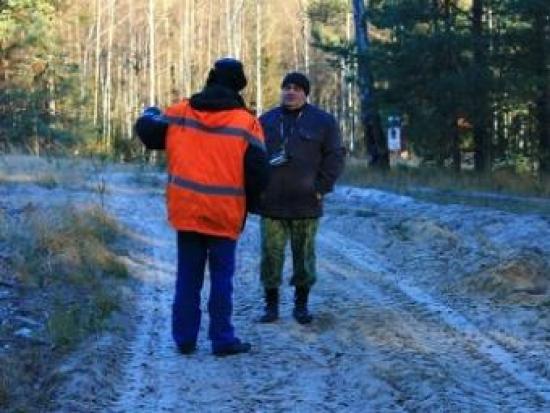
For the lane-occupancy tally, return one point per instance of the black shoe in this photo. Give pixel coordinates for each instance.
(302, 315)
(300, 312)
(271, 310)
(271, 314)
(232, 349)
(188, 348)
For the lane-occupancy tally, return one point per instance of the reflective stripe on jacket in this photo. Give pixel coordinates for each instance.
(205, 153)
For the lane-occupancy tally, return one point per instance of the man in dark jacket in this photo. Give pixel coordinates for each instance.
(306, 156)
(208, 138)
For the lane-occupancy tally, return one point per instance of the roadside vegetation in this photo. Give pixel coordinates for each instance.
(47, 172)
(61, 278)
(504, 188)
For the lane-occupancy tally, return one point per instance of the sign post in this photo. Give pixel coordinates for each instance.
(394, 138)
(394, 133)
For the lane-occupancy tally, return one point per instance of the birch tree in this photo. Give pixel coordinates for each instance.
(259, 85)
(152, 50)
(97, 59)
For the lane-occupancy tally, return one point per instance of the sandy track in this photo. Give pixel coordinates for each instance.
(380, 342)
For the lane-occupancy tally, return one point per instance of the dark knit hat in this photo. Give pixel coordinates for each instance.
(298, 79)
(227, 72)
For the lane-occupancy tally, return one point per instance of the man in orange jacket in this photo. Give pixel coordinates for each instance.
(216, 164)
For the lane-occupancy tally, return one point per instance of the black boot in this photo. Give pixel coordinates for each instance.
(235, 348)
(271, 310)
(300, 312)
(187, 348)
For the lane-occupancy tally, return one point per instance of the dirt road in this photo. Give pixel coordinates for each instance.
(415, 310)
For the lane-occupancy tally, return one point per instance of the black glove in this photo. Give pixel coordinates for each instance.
(151, 128)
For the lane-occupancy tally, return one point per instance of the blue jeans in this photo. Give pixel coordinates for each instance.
(194, 250)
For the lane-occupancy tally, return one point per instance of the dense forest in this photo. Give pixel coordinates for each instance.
(467, 78)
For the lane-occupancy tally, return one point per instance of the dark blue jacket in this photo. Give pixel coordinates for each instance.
(316, 160)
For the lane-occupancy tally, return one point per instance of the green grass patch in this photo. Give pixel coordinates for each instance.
(70, 323)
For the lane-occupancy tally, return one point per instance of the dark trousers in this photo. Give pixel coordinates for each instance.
(194, 250)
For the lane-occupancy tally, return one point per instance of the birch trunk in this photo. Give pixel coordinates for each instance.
(209, 34)
(132, 98)
(304, 4)
(259, 98)
(152, 71)
(228, 29)
(97, 60)
(108, 77)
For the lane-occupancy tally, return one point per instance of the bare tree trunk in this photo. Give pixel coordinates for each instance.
(97, 59)
(108, 77)
(452, 115)
(343, 109)
(304, 4)
(455, 146)
(295, 48)
(259, 98)
(236, 29)
(219, 37)
(228, 29)
(350, 92)
(131, 92)
(481, 121)
(36, 104)
(152, 49)
(193, 39)
(375, 142)
(186, 49)
(170, 88)
(84, 53)
(119, 101)
(209, 54)
(104, 98)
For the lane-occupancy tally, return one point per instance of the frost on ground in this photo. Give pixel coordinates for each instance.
(419, 307)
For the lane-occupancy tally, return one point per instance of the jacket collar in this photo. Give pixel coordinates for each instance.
(282, 111)
(215, 97)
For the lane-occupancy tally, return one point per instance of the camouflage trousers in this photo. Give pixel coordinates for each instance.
(275, 234)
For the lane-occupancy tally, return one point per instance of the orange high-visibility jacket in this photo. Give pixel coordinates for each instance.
(205, 151)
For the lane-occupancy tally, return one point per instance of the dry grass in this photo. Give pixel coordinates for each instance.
(512, 192)
(520, 274)
(521, 279)
(402, 178)
(47, 171)
(68, 277)
(63, 245)
(71, 249)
